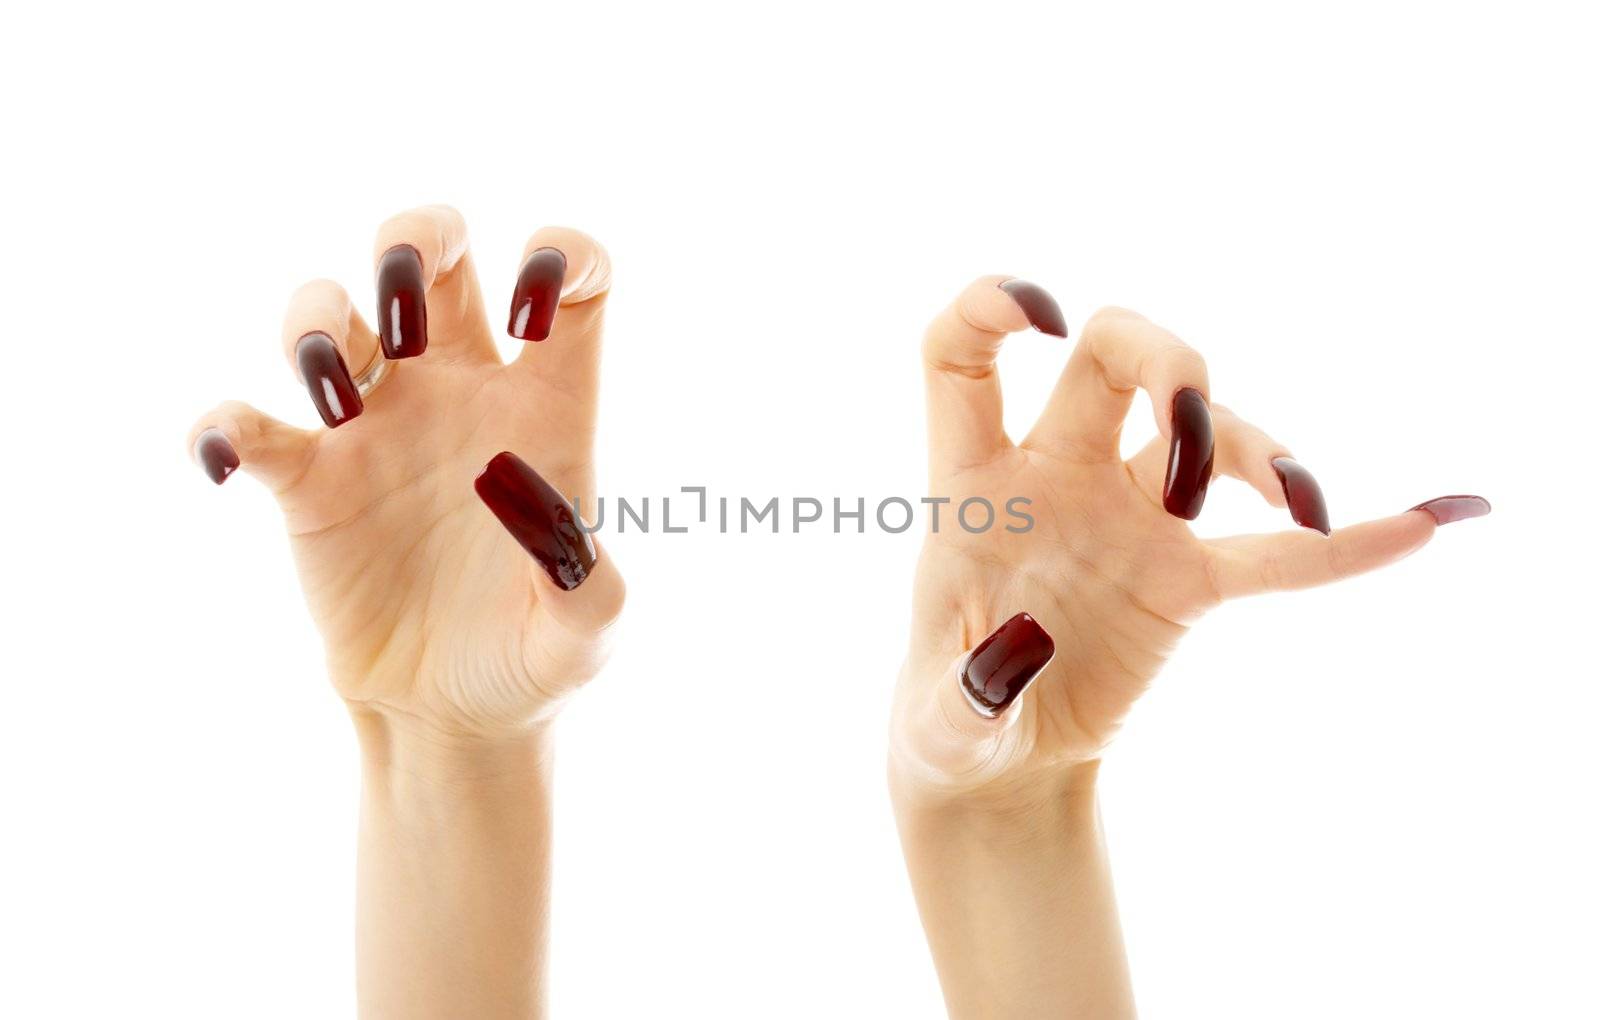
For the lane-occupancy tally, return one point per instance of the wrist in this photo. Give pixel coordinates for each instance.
(1012, 805)
(410, 757)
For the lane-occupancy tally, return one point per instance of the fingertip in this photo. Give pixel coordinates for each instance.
(1040, 308)
(1449, 509)
(586, 263)
(986, 306)
(436, 233)
(215, 454)
(1302, 495)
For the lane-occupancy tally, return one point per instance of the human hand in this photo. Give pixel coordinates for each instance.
(1109, 576)
(430, 613)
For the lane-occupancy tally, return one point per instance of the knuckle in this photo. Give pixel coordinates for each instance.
(1104, 324)
(1184, 360)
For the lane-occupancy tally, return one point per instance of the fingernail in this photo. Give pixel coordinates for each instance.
(537, 516)
(215, 454)
(1448, 509)
(1000, 669)
(1036, 303)
(1306, 504)
(1189, 459)
(533, 304)
(402, 308)
(327, 379)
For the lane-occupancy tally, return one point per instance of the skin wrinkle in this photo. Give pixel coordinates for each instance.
(1090, 564)
(977, 373)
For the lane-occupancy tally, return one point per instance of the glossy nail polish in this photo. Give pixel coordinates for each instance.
(1448, 509)
(402, 308)
(537, 516)
(327, 379)
(1190, 457)
(538, 293)
(1002, 667)
(1306, 504)
(216, 455)
(1036, 303)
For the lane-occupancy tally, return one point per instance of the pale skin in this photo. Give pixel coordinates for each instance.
(998, 816)
(452, 648)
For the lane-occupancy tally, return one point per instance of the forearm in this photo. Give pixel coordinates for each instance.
(453, 872)
(1017, 903)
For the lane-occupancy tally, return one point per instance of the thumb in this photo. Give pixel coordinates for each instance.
(963, 730)
(580, 591)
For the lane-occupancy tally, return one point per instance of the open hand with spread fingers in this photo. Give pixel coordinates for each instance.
(1030, 645)
(458, 596)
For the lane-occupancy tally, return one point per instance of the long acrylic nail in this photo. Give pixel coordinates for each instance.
(539, 517)
(538, 293)
(327, 379)
(1036, 303)
(402, 307)
(1001, 668)
(1306, 504)
(216, 455)
(1448, 509)
(1190, 457)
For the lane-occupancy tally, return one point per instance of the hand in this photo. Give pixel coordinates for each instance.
(1076, 594)
(430, 612)
(1109, 573)
(451, 646)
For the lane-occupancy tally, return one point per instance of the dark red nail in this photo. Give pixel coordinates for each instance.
(1036, 303)
(537, 516)
(1189, 459)
(327, 379)
(533, 305)
(402, 308)
(1448, 509)
(215, 455)
(1000, 669)
(1306, 504)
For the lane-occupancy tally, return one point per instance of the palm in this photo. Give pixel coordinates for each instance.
(405, 571)
(1104, 569)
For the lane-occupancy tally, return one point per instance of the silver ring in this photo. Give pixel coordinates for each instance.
(373, 374)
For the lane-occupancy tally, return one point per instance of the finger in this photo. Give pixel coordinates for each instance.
(560, 299)
(961, 731)
(1250, 455)
(1252, 564)
(1120, 352)
(428, 295)
(235, 435)
(327, 342)
(958, 354)
(561, 295)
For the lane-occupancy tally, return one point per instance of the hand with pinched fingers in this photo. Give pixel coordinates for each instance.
(1082, 609)
(429, 609)
(1029, 645)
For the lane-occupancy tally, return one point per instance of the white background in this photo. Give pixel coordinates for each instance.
(1378, 222)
